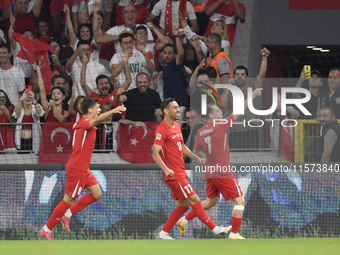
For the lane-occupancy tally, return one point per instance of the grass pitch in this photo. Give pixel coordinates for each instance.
(297, 246)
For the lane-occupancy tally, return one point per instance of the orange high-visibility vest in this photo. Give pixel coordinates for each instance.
(213, 62)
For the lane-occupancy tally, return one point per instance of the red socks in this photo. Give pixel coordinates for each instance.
(174, 216)
(235, 224)
(190, 215)
(82, 203)
(202, 215)
(57, 214)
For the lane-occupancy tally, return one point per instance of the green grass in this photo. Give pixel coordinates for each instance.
(196, 247)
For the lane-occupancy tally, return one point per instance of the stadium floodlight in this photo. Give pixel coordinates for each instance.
(317, 48)
(325, 50)
(310, 47)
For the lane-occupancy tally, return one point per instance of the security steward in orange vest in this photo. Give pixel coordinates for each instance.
(218, 59)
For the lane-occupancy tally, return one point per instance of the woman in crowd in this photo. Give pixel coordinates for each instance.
(74, 109)
(43, 34)
(219, 27)
(84, 33)
(27, 137)
(7, 143)
(54, 111)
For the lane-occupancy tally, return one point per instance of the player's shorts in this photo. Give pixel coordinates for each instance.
(77, 180)
(180, 189)
(229, 187)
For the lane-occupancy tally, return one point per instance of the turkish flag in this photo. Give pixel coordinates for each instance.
(286, 140)
(5, 3)
(57, 6)
(313, 4)
(56, 143)
(135, 144)
(32, 50)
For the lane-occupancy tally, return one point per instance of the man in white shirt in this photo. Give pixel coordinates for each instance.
(129, 15)
(12, 79)
(160, 9)
(93, 69)
(138, 61)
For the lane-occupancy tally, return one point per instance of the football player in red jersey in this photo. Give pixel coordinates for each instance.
(78, 174)
(168, 151)
(212, 139)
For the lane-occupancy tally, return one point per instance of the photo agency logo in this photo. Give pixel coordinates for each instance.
(238, 104)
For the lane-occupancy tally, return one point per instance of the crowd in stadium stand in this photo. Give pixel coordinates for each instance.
(131, 53)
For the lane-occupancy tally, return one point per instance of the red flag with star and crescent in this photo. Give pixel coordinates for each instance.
(56, 143)
(135, 144)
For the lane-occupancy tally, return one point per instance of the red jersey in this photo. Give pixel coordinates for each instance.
(23, 21)
(101, 100)
(214, 142)
(83, 142)
(171, 140)
(226, 13)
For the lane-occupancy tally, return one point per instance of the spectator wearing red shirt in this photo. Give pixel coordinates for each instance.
(228, 11)
(24, 19)
(103, 83)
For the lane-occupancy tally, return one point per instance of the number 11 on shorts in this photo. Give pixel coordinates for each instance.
(188, 188)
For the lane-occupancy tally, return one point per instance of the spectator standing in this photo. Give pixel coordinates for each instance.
(229, 11)
(12, 80)
(167, 10)
(329, 143)
(142, 8)
(142, 103)
(138, 61)
(27, 137)
(7, 143)
(331, 98)
(112, 35)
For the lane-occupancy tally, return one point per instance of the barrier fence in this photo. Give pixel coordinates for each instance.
(282, 200)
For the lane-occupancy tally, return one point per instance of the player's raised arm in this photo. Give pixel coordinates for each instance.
(102, 117)
(157, 158)
(256, 93)
(188, 153)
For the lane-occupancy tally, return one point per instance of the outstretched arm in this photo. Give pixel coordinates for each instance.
(102, 117)
(257, 92)
(262, 74)
(179, 46)
(86, 87)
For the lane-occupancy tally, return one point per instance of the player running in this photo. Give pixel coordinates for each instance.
(78, 175)
(212, 139)
(168, 151)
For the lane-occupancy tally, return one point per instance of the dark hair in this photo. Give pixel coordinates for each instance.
(109, 104)
(143, 73)
(335, 69)
(25, 30)
(88, 103)
(100, 13)
(76, 102)
(55, 77)
(211, 72)
(166, 102)
(56, 41)
(40, 20)
(84, 25)
(61, 89)
(216, 37)
(141, 27)
(331, 110)
(241, 68)
(124, 35)
(171, 46)
(8, 102)
(4, 45)
(197, 110)
(88, 42)
(101, 76)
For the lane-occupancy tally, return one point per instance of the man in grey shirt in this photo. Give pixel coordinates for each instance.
(329, 143)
